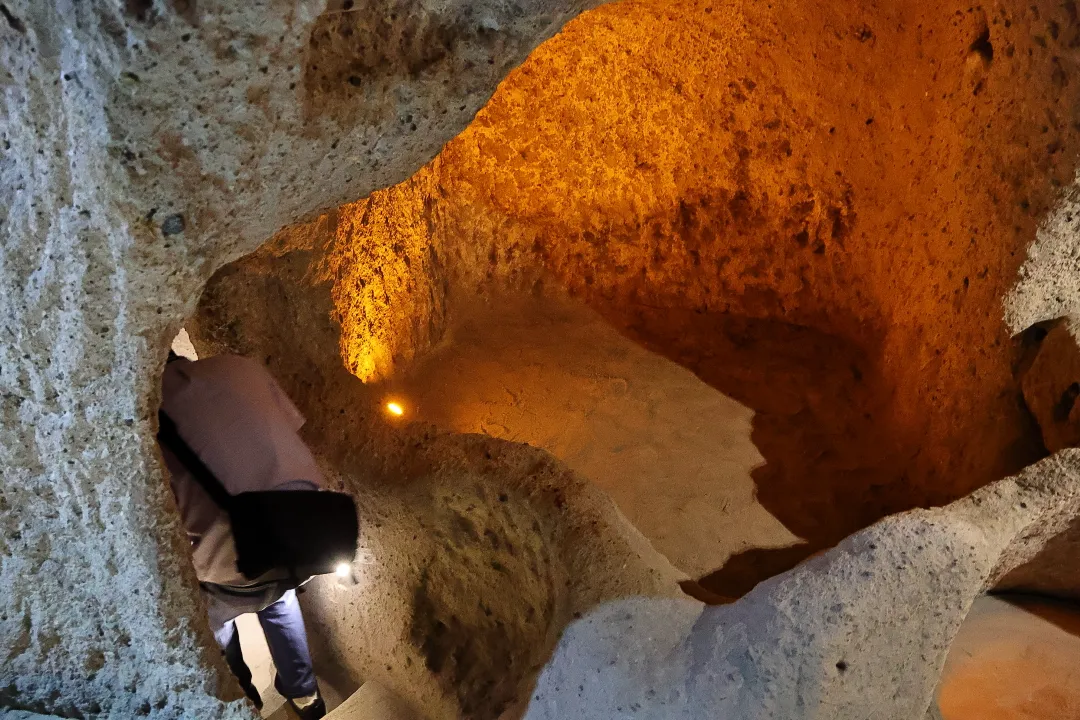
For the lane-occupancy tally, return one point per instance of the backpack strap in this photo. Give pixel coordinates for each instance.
(169, 436)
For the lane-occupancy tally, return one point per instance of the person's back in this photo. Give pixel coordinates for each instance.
(230, 411)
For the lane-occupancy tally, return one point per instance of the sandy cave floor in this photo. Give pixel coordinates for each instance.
(766, 443)
(675, 454)
(1015, 658)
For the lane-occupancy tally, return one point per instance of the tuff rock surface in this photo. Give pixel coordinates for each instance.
(839, 198)
(476, 552)
(862, 631)
(758, 194)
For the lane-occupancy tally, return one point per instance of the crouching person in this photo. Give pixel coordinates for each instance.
(228, 429)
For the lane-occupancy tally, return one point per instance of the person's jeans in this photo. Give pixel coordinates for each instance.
(283, 626)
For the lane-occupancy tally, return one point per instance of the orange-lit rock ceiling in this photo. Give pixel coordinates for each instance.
(817, 207)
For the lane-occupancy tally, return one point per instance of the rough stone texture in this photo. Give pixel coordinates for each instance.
(756, 192)
(860, 181)
(143, 145)
(820, 641)
(481, 552)
(1052, 385)
(1048, 286)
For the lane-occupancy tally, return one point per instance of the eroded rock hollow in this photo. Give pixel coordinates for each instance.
(700, 290)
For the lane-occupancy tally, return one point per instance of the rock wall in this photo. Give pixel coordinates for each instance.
(817, 209)
(862, 631)
(476, 552)
(144, 144)
(870, 178)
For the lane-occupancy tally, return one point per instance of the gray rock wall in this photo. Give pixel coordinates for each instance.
(860, 632)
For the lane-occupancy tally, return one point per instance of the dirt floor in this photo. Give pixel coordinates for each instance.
(737, 455)
(1014, 659)
(675, 454)
(832, 463)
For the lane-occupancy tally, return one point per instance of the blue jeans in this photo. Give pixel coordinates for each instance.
(283, 626)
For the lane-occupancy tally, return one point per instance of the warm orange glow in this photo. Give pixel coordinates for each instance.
(655, 155)
(395, 408)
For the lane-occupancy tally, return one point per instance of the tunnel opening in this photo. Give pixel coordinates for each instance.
(448, 519)
(677, 437)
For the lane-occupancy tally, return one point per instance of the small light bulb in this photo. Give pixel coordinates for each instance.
(395, 408)
(342, 570)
